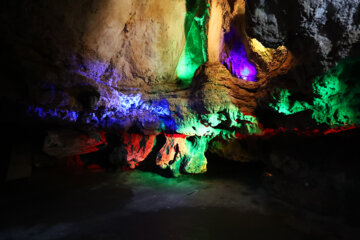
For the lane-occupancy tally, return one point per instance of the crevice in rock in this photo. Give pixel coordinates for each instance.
(149, 164)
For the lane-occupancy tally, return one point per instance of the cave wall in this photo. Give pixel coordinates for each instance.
(129, 84)
(319, 33)
(214, 70)
(106, 45)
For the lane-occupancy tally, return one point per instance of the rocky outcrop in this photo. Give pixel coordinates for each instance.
(66, 143)
(62, 47)
(116, 66)
(214, 88)
(319, 33)
(181, 154)
(199, 68)
(138, 147)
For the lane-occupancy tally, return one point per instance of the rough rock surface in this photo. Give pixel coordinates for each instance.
(319, 33)
(107, 46)
(113, 65)
(183, 155)
(138, 147)
(66, 143)
(215, 89)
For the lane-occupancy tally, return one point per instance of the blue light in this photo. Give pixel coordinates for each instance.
(122, 110)
(130, 108)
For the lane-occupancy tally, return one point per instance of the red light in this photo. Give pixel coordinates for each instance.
(94, 167)
(175, 135)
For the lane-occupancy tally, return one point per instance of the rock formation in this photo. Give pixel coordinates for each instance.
(210, 71)
(125, 83)
(137, 147)
(319, 33)
(66, 143)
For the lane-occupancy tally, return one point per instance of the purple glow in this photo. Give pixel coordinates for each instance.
(114, 109)
(236, 61)
(129, 110)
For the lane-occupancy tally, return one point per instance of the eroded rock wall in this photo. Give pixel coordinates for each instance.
(319, 33)
(138, 147)
(181, 154)
(203, 69)
(109, 46)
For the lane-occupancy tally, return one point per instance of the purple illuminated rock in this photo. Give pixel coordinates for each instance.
(236, 59)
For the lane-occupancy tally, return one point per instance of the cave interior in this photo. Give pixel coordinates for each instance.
(181, 119)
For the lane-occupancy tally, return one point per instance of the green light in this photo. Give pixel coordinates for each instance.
(196, 149)
(284, 106)
(210, 124)
(195, 51)
(336, 96)
(204, 128)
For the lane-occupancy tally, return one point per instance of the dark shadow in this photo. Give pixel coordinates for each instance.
(250, 173)
(194, 223)
(57, 196)
(149, 164)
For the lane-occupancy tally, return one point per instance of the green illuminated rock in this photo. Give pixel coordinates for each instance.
(284, 105)
(195, 51)
(337, 94)
(183, 155)
(336, 97)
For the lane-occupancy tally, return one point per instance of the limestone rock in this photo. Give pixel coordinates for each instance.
(214, 88)
(64, 143)
(319, 33)
(114, 65)
(109, 45)
(183, 155)
(138, 147)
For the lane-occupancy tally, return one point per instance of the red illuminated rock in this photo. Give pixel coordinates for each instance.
(138, 147)
(66, 143)
(183, 155)
(171, 153)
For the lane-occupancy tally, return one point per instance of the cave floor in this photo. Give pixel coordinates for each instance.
(83, 204)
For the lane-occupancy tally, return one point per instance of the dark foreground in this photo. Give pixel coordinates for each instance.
(82, 204)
